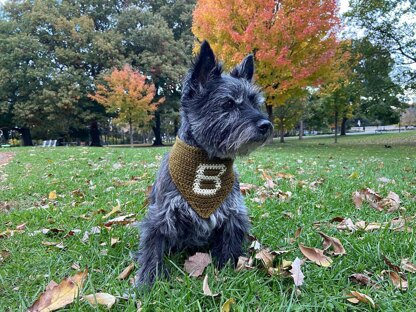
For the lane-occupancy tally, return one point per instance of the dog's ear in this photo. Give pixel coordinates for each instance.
(205, 66)
(245, 69)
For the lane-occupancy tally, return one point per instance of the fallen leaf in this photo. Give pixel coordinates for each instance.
(102, 299)
(4, 254)
(52, 195)
(115, 209)
(196, 264)
(139, 306)
(354, 175)
(398, 281)
(255, 245)
(391, 265)
(266, 257)
(205, 287)
(126, 272)
(21, 226)
(296, 271)
(226, 307)
(59, 245)
(347, 224)
(357, 199)
(126, 219)
(361, 279)
(59, 296)
(246, 188)
(391, 202)
(244, 263)
(356, 297)
(316, 255)
(114, 240)
(408, 266)
(333, 242)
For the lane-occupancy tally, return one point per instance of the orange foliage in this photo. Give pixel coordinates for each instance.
(128, 94)
(293, 40)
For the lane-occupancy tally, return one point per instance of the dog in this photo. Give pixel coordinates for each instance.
(195, 201)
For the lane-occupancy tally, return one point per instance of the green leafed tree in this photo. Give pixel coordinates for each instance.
(391, 24)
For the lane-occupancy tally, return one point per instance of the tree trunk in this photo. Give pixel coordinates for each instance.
(344, 126)
(269, 109)
(301, 129)
(131, 133)
(26, 136)
(95, 134)
(157, 130)
(176, 126)
(336, 127)
(282, 130)
(5, 134)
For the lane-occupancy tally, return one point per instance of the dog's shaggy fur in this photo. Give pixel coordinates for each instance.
(221, 115)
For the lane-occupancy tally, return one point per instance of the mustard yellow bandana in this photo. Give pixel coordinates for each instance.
(203, 182)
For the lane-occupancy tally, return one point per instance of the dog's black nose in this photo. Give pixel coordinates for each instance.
(264, 126)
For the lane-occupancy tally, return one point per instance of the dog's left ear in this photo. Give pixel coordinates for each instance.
(245, 69)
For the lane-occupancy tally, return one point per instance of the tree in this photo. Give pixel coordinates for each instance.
(293, 42)
(158, 40)
(127, 94)
(378, 92)
(50, 52)
(392, 25)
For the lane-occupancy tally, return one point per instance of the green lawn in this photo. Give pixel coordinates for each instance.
(89, 180)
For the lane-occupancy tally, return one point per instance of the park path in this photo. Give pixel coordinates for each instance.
(5, 158)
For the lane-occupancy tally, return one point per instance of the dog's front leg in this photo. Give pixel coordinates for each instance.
(229, 238)
(150, 257)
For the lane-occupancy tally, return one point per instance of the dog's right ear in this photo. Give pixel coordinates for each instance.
(205, 66)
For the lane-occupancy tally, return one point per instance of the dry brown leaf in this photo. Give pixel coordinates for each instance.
(116, 208)
(357, 199)
(244, 263)
(333, 242)
(226, 307)
(246, 188)
(408, 266)
(102, 299)
(391, 265)
(266, 257)
(4, 254)
(347, 224)
(398, 281)
(21, 226)
(316, 255)
(196, 264)
(361, 279)
(391, 202)
(205, 287)
(356, 297)
(296, 271)
(59, 245)
(368, 227)
(126, 272)
(60, 295)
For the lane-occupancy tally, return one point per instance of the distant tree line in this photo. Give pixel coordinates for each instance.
(70, 69)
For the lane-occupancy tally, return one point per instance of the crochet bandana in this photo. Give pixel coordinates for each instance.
(203, 182)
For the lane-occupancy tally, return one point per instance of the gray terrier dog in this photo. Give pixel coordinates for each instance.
(196, 200)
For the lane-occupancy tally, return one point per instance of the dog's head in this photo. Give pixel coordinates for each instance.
(223, 110)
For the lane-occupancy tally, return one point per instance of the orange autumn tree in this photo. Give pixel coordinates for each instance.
(293, 42)
(128, 94)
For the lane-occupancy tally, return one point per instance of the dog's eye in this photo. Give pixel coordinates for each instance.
(229, 104)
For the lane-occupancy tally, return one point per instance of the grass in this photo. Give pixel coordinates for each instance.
(89, 179)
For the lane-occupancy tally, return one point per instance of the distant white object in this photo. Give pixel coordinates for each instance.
(359, 123)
